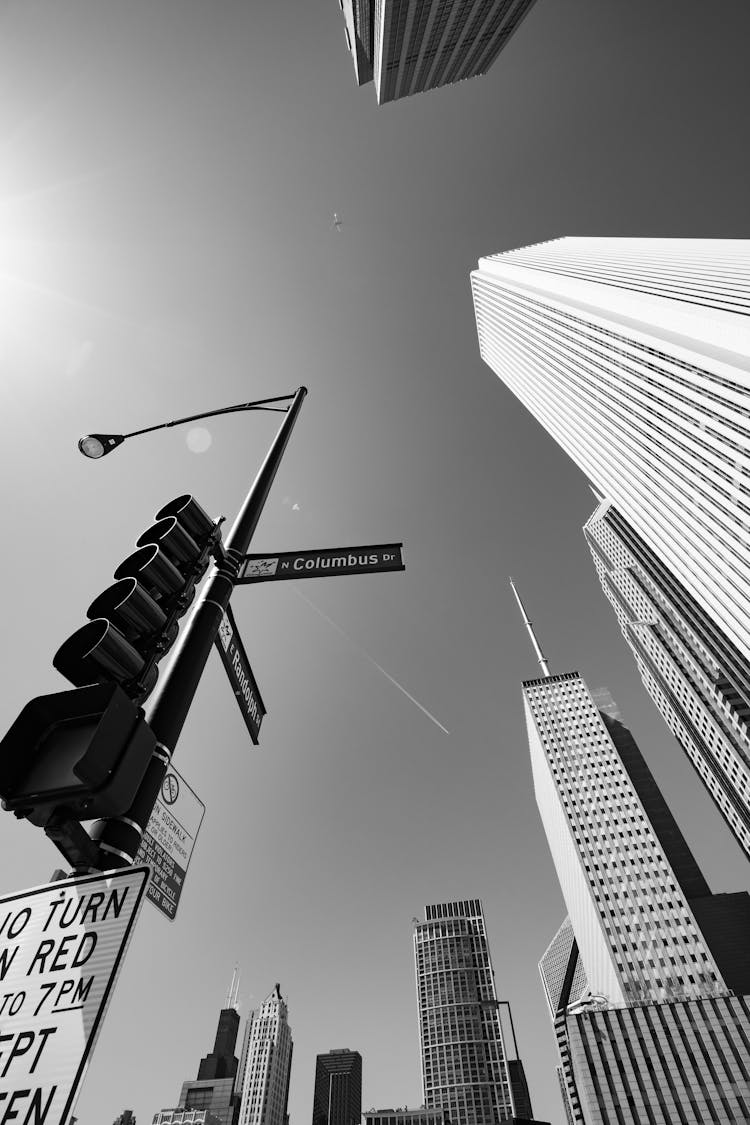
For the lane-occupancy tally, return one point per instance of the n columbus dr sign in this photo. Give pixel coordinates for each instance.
(316, 564)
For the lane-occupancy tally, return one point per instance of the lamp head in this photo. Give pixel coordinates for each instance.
(99, 445)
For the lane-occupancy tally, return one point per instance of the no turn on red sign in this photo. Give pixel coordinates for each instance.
(61, 948)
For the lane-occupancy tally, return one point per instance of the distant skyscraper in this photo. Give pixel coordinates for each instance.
(127, 1117)
(642, 919)
(337, 1099)
(634, 354)
(408, 46)
(268, 1064)
(695, 674)
(465, 1069)
(211, 1098)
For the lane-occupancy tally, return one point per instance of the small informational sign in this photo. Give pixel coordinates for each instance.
(234, 659)
(61, 948)
(317, 564)
(169, 839)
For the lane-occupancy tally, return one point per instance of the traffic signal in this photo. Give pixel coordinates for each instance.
(81, 755)
(83, 751)
(134, 622)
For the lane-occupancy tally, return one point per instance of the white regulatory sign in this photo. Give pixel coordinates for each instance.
(61, 947)
(169, 840)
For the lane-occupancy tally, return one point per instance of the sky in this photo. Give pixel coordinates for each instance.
(169, 172)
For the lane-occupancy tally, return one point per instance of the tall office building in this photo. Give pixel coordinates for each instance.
(634, 354)
(409, 46)
(268, 1064)
(337, 1098)
(695, 674)
(660, 1031)
(212, 1097)
(465, 1067)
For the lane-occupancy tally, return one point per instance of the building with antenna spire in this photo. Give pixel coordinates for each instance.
(213, 1097)
(665, 962)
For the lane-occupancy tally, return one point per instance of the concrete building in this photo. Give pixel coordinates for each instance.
(465, 1067)
(649, 934)
(267, 1064)
(406, 1116)
(693, 671)
(634, 354)
(409, 46)
(337, 1098)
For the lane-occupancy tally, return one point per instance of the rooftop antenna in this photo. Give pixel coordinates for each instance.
(232, 994)
(542, 659)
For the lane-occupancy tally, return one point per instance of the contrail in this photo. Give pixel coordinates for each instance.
(367, 656)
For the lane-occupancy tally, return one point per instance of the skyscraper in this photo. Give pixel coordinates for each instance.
(408, 46)
(268, 1064)
(695, 674)
(211, 1098)
(465, 1069)
(661, 956)
(337, 1099)
(634, 355)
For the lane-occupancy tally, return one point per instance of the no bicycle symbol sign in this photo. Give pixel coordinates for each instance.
(61, 947)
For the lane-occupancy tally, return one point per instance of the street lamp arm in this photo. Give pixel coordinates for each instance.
(260, 404)
(98, 445)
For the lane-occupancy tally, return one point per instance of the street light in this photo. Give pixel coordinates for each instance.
(118, 838)
(99, 445)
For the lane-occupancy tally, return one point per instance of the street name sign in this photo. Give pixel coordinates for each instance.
(61, 948)
(169, 839)
(318, 563)
(234, 659)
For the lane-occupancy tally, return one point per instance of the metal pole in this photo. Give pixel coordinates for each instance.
(119, 837)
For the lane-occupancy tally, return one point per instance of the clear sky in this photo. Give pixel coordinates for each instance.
(169, 170)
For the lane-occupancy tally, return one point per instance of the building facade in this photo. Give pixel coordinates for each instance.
(212, 1097)
(409, 46)
(634, 354)
(406, 1116)
(645, 939)
(337, 1098)
(465, 1067)
(696, 676)
(267, 1064)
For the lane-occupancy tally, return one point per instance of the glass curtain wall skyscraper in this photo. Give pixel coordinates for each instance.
(465, 1065)
(696, 676)
(665, 963)
(337, 1097)
(213, 1097)
(409, 46)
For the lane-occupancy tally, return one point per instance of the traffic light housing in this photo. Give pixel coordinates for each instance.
(83, 752)
(134, 622)
(81, 755)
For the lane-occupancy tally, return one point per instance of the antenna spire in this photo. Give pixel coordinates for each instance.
(539, 654)
(234, 986)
